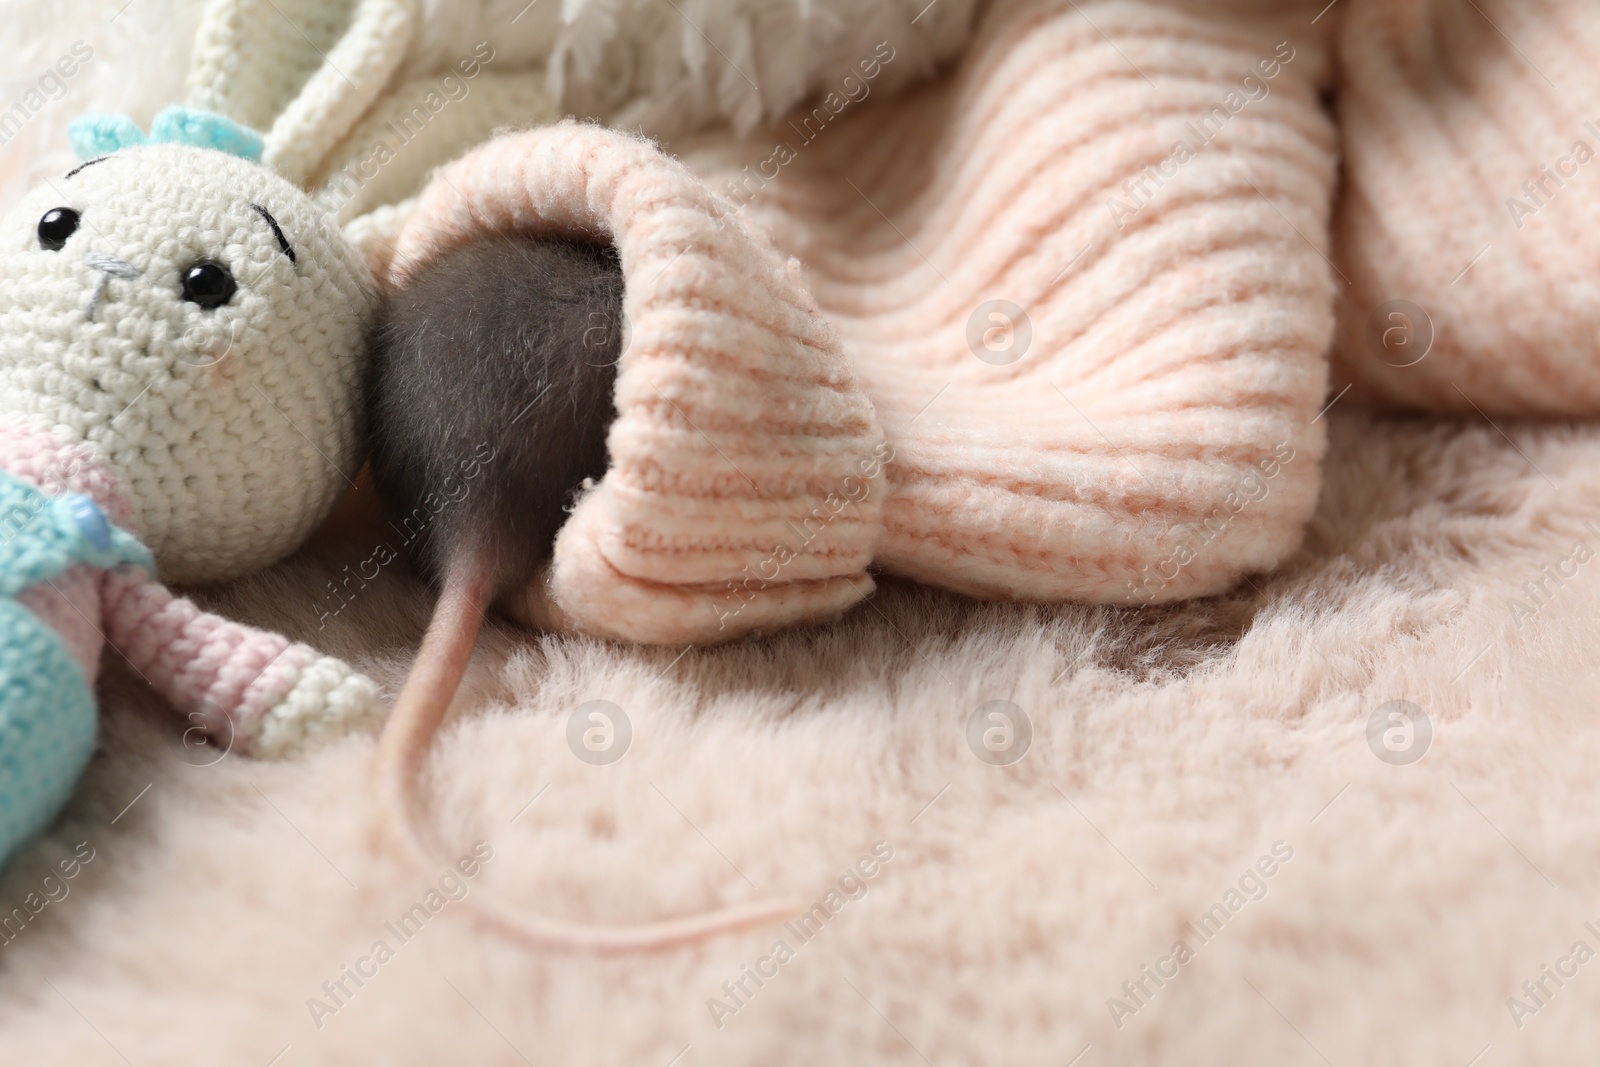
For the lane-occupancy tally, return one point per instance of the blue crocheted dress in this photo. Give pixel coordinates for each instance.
(47, 708)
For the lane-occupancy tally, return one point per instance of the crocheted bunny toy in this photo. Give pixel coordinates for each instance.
(181, 336)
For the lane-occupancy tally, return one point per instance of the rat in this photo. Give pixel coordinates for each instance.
(489, 401)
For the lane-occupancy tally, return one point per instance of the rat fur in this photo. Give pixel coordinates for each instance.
(490, 396)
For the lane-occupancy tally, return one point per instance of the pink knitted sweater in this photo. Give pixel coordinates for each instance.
(1467, 225)
(1092, 381)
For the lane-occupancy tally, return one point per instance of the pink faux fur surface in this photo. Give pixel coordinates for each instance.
(1218, 773)
(1172, 748)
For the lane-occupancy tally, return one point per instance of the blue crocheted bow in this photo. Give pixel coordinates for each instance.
(95, 135)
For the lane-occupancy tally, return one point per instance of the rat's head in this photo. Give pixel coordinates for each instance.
(200, 324)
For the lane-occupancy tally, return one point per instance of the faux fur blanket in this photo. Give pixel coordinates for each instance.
(1176, 754)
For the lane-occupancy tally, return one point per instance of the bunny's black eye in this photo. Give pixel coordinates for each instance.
(58, 224)
(209, 285)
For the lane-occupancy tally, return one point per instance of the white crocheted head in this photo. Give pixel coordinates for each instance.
(199, 323)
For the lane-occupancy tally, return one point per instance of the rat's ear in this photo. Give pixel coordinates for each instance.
(303, 70)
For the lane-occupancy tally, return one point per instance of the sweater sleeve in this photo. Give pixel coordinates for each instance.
(250, 689)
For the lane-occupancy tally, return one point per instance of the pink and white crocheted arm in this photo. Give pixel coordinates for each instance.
(250, 689)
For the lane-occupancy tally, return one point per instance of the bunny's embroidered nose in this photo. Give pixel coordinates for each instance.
(109, 267)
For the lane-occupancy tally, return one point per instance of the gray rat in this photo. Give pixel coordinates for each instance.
(489, 399)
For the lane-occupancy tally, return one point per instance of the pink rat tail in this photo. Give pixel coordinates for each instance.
(441, 663)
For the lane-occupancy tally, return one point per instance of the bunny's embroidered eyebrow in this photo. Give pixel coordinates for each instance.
(90, 163)
(277, 231)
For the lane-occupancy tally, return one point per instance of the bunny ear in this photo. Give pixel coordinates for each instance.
(304, 70)
(341, 90)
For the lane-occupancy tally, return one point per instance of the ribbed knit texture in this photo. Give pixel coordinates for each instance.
(1158, 437)
(745, 487)
(344, 86)
(1472, 192)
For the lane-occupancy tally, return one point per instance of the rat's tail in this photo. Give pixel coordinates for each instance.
(441, 663)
